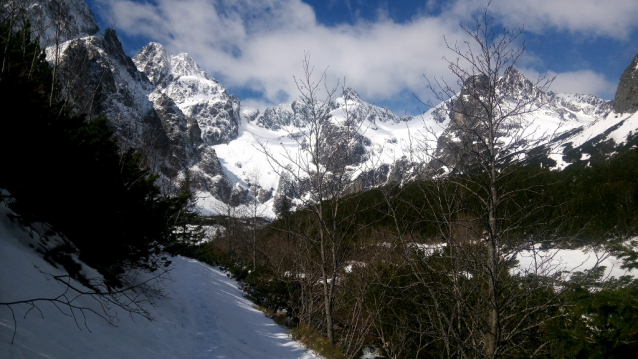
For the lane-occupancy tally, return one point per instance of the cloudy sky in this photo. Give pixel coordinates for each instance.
(383, 48)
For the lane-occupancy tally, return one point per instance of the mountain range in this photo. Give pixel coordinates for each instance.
(188, 126)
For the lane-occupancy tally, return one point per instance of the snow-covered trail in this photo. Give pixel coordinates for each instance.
(205, 315)
(224, 324)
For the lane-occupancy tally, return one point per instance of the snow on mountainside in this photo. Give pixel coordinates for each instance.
(203, 316)
(168, 106)
(389, 143)
(384, 138)
(580, 143)
(99, 79)
(196, 94)
(53, 21)
(274, 118)
(102, 81)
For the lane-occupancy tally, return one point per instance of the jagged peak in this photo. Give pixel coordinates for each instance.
(184, 65)
(511, 79)
(350, 94)
(512, 72)
(512, 76)
(154, 61)
(153, 49)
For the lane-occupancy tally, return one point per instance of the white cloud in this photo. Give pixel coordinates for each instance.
(260, 44)
(582, 81)
(610, 18)
(585, 81)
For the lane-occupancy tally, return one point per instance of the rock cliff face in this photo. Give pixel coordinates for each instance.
(100, 80)
(52, 21)
(626, 99)
(198, 96)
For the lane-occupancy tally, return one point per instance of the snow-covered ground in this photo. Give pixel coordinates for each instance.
(205, 315)
(572, 260)
(568, 261)
(615, 126)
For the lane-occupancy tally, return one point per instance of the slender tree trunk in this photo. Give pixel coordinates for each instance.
(493, 334)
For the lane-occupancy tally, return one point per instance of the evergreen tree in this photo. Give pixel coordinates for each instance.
(70, 173)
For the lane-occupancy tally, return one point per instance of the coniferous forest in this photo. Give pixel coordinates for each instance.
(68, 172)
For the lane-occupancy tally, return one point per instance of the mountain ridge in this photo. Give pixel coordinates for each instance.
(187, 122)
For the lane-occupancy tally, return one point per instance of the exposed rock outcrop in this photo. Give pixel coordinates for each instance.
(52, 21)
(626, 99)
(197, 95)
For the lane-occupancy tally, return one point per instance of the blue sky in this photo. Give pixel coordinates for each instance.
(382, 48)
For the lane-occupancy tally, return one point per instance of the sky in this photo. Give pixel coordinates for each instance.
(383, 49)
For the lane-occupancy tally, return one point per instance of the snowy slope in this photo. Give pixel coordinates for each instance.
(616, 127)
(205, 315)
(385, 142)
(389, 139)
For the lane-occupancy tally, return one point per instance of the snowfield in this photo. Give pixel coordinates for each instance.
(205, 315)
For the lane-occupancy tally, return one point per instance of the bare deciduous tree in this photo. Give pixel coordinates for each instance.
(255, 209)
(485, 203)
(325, 160)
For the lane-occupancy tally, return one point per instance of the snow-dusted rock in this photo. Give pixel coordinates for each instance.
(626, 99)
(53, 21)
(100, 80)
(196, 94)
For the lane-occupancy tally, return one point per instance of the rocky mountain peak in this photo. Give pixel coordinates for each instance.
(184, 65)
(198, 96)
(154, 61)
(158, 65)
(350, 94)
(514, 80)
(626, 99)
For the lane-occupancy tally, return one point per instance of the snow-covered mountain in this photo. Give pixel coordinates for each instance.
(185, 120)
(99, 79)
(389, 146)
(198, 96)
